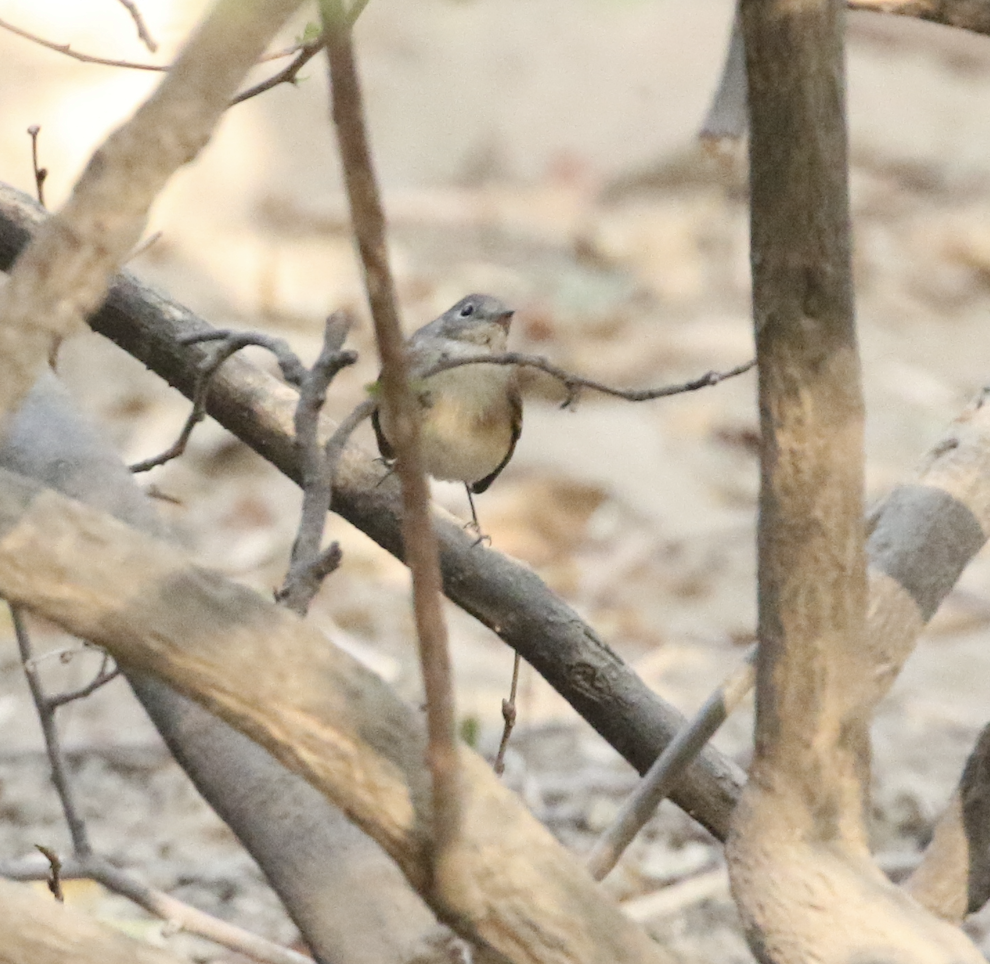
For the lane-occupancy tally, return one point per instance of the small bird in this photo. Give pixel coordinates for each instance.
(471, 416)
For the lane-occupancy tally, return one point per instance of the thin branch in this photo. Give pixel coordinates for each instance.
(509, 717)
(87, 864)
(964, 14)
(54, 876)
(103, 677)
(287, 75)
(46, 716)
(669, 767)
(144, 35)
(66, 49)
(180, 915)
(508, 598)
(78, 55)
(419, 539)
(309, 565)
(319, 712)
(65, 272)
(574, 383)
(40, 173)
(292, 370)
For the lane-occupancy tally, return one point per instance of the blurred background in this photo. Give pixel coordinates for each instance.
(544, 151)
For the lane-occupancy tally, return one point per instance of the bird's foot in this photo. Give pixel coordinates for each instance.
(482, 537)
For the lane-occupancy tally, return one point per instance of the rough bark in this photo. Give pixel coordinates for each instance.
(508, 598)
(348, 899)
(507, 884)
(39, 930)
(800, 867)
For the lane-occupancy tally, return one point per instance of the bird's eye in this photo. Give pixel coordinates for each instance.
(466, 311)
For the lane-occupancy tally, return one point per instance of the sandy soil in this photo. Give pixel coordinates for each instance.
(544, 151)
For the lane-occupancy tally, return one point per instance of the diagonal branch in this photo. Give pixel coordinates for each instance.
(316, 710)
(508, 598)
(65, 272)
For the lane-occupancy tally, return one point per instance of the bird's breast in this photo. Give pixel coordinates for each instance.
(467, 421)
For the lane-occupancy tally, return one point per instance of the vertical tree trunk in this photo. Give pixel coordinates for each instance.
(801, 869)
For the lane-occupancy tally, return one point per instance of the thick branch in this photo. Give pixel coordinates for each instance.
(318, 711)
(798, 855)
(35, 930)
(66, 270)
(508, 598)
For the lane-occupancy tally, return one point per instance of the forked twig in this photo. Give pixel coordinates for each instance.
(292, 370)
(85, 863)
(309, 564)
(287, 75)
(56, 759)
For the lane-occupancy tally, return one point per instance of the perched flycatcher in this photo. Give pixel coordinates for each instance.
(471, 416)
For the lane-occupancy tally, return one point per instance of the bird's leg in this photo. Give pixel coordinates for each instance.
(389, 465)
(474, 525)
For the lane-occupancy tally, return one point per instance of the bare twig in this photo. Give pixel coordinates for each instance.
(40, 173)
(574, 383)
(309, 565)
(67, 50)
(287, 75)
(180, 915)
(56, 760)
(418, 536)
(78, 55)
(320, 712)
(65, 272)
(642, 803)
(152, 238)
(509, 716)
(86, 863)
(144, 35)
(104, 676)
(505, 596)
(54, 876)
(292, 369)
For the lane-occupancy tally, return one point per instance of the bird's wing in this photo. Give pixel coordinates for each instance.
(515, 399)
(386, 450)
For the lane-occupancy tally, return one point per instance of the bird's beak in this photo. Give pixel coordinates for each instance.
(505, 319)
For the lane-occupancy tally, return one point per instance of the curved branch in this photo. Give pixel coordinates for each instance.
(319, 712)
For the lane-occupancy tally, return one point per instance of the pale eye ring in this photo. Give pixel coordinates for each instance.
(466, 311)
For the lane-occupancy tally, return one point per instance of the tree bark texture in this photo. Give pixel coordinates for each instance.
(508, 598)
(519, 894)
(36, 929)
(349, 900)
(801, 871)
